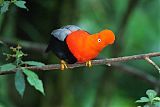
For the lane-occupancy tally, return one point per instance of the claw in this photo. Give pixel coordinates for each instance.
(63, 65)
(89, 63)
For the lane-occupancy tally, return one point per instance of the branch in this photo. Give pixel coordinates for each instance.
(94, 62)
(152, 63)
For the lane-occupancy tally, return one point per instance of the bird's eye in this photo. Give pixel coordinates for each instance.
(99, 40)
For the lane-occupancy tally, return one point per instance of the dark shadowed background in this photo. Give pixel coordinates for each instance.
(136, 24)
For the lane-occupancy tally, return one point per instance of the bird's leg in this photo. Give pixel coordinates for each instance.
(89, 63)
(63, 65)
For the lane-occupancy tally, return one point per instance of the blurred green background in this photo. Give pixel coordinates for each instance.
(136, 24)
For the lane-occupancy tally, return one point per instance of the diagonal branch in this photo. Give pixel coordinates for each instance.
(94, 62)
(152, 63)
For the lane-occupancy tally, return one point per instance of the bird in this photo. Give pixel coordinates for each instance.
(71, 44)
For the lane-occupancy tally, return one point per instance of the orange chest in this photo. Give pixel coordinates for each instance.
(80, 46)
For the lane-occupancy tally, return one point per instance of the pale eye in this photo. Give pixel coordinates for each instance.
(99, 40)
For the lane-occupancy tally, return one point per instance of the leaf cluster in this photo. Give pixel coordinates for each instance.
(4, 5)
(152, 100)
(19, 66)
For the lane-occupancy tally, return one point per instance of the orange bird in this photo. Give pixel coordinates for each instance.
(72, 44)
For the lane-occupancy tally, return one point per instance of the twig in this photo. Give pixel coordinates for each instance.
(152, 63)
(94, 62)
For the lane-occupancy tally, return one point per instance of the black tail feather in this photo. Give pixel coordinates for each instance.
(48, 47)
(50, 44)
(61, 50)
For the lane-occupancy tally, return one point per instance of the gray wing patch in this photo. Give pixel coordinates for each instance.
(63, 32)
(71, 27)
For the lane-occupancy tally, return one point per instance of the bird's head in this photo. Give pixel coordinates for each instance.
(106, 37)
(102, 39)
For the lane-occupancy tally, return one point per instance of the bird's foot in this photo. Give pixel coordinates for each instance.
(63, 65)
(89, 63)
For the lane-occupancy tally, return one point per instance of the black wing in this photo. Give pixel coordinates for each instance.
(58, 44)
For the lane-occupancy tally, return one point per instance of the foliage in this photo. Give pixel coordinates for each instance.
(7, 67)
(82, 87)
(19, 66)
(4, 5)
(33, 79)
(20, 82)
(152, 100)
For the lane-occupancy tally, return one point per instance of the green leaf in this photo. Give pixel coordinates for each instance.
(5, 6)
(143, 100)
(7, 67)
(156, 104)
(20, 82)
(151, 94)
(33, 80)
(156, 98)
(146, 105)
(21, 4)
(19, 54)
(34, 63)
